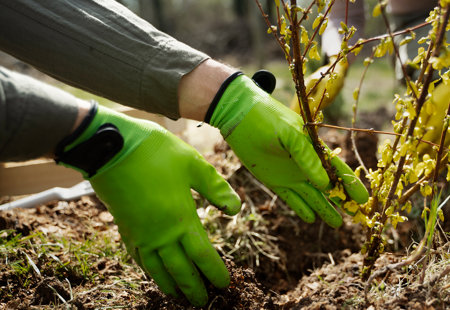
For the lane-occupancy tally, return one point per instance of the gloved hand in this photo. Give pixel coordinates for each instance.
(146, 183)
(434, 118)
(271, 142)
(332, 86)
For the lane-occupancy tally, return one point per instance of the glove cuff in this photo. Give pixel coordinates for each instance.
(235, 98)
(219, 94)
(240, 96)
(102, 140)
(90, 155)
(78, 131)
(263, 78)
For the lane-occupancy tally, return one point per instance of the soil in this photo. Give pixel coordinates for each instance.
(316, 267)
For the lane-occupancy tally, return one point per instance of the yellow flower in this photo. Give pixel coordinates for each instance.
(397, 218)
(351, 207)
(313, 52)
(337, 191)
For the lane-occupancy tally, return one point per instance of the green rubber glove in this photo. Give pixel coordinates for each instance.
(147, 188)
(270, 140)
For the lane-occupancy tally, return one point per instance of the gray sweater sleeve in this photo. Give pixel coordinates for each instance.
(99, 46)
(34, 116)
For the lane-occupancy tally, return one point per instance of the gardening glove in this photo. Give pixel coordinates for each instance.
(328, 88)
(432, 114)
(271, 142)
(144, 174)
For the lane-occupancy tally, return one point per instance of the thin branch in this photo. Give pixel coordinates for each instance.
(306, 12)
(346, 12)
(396, 51)
(318, 28)
(279, 40)
(355, 112)
(298, 77)
(384, 36)
(323, 75)
(407, 194)
(367, 130)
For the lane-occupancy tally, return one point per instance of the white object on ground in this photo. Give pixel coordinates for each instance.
(56, 193)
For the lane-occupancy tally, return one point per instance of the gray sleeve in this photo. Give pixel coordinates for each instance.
(34, 116)
(331, 38)
(99, 46)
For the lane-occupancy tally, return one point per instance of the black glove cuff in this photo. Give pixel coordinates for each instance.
(77, 132)
(219, 94)
(93, 153)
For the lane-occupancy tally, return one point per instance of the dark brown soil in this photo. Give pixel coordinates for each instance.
(317, 267)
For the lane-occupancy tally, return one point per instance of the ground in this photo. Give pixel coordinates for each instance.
(68, 255)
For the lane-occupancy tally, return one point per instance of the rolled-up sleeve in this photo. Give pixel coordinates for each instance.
(34, 116)
(99, 46)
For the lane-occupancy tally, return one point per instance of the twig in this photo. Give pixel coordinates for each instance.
(361, 43)
(367, 130)
(441, 146)
(57, 294)
(355, 112)
(279, 40)
(384, 36)
(346, 12)
(318, 28)
(298, 77)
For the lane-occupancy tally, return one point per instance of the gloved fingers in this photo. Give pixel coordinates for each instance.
(306, 158)
(211, 185)
(185, 273)
(352, 184)
(296, 203)
(199, 249)
(317, 201)
(153, 265)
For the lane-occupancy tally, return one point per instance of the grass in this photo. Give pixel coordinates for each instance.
(38, 256)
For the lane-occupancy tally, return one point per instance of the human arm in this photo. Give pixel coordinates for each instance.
(29, 113)
(99, 46)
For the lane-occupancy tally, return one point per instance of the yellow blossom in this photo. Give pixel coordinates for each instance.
(337, 191)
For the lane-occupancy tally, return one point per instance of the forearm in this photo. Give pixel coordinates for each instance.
(198, 88)
(101, 47)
